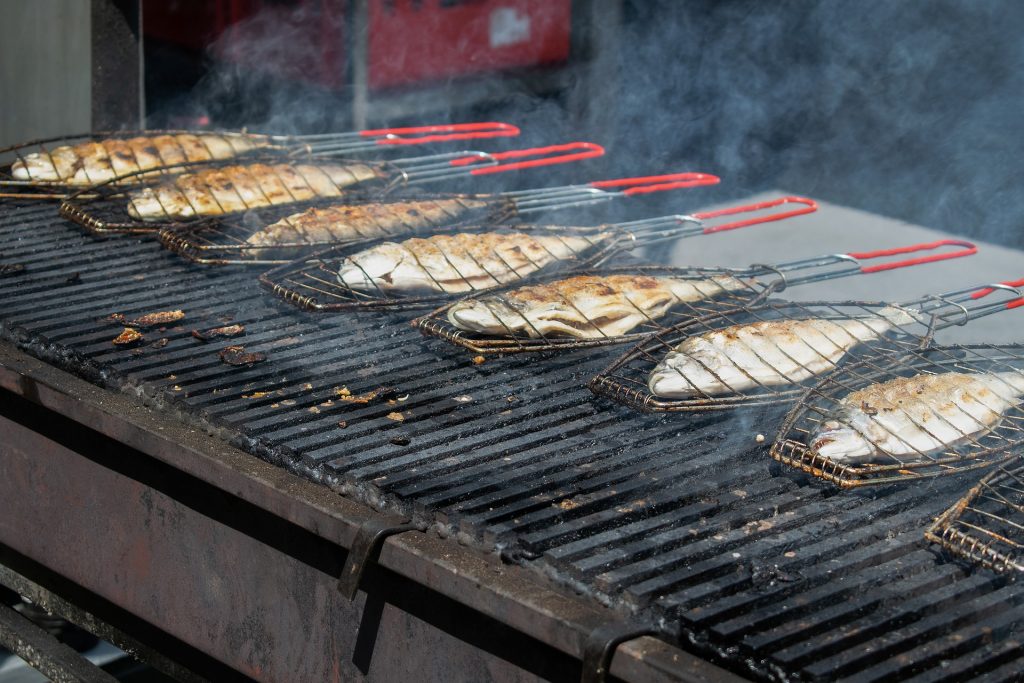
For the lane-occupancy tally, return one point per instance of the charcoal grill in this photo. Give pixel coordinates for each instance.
(601, 514)
(225, 242)
(118, 156)
(972, 450)
(879, 329)
(107, 208)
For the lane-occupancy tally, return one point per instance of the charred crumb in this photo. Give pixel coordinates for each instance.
(400, 440)
(343, 394)
(157, 319)
(115, 318)
(160, 343)
(237, 356)
(8, 269)
(73, 279)
(219, 332)
(128, 337)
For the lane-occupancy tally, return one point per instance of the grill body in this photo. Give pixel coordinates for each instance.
(682, 524)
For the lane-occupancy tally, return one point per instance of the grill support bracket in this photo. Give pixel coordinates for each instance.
(602, 643)
(366, 549)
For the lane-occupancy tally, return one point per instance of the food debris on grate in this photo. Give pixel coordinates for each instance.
(127, 337)
(219, 332)
(158, 319)
(237, 355)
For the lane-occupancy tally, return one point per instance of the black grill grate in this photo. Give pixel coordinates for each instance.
(681, 518)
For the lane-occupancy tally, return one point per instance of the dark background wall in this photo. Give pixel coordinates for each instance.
(909, 108)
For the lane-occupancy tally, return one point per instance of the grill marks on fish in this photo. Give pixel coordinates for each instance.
(910, 417)
(89, 163)
(460, 262)
(585, 306)
(218, 191)
(747, 357)
(343, 222)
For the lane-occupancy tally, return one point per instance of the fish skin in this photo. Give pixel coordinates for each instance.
(920, 414)
(218, 191)
(89, 163)
(342, 222)
(766, 353)
(584, 306)
(459, 262)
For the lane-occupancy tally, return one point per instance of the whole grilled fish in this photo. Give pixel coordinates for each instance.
(916, 415)
(343, 222)
(764, 354)
(218, 191)
(460, 262)
(89, 163)
(585, 306)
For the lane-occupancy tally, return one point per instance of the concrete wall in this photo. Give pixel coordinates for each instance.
(45, 58)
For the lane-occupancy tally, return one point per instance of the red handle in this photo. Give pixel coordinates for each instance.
(455, 131)
(810, 206)
(1016, 303)
(590, 150)
(968, 249)
(658, 183)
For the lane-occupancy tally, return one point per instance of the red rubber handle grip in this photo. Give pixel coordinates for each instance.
(1015, 303)
(657, 183)
(968, 249)
(809, 206)
(419, 135)
(549, 156)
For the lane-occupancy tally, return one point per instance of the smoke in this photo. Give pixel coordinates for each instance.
(909, 109)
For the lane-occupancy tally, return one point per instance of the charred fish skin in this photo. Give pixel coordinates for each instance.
(915, 416)
(343, 222)
(231, 189)
(460, 262)
(585, 306)
(745, 357)
(89, 163)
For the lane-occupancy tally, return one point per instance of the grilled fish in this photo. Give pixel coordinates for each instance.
(460, 262)
(917, 415)
(217, 191)
(89, 163)
(343, 222)
(585, 306)
(764, 354)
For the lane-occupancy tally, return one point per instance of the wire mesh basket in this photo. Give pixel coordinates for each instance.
(767, 354)
(48, 168)
(897, 418)
(986, 526)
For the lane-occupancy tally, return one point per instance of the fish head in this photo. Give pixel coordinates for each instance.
(488, 315)
(370, 270)
(842, 443)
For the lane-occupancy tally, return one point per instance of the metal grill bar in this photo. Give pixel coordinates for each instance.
(641, 512)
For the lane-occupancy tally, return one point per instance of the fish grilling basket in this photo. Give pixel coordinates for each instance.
(201, 194)
(896, 418)
(765, 354)
(277, 239)
(987, 525)
(557, 313)
(427, 271)
(48, 168)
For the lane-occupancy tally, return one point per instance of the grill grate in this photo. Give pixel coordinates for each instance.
(679, 519)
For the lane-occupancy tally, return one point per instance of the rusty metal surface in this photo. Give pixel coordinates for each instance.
(43, 652)
(273, 607)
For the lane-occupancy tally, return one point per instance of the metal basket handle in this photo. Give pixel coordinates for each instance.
(421, 135)
(809, 206)
(549, 156)
(657, 183)
(968, 248)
